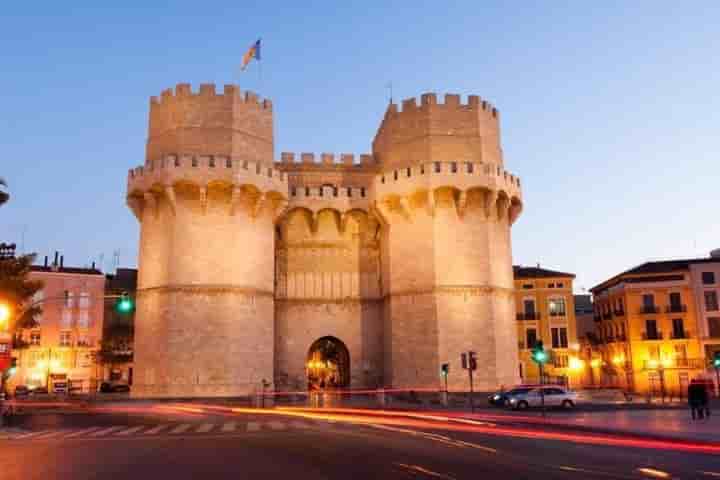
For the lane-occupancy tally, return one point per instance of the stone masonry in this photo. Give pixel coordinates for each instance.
(403, 255)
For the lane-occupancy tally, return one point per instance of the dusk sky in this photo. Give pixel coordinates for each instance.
(610, 110)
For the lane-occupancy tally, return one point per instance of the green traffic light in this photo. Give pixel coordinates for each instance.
(125, 305)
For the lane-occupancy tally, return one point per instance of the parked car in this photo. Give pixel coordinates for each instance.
(500, 399)
(554, 397)
(108, 387)
(22, 391)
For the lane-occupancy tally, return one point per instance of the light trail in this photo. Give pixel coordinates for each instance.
(651, 472)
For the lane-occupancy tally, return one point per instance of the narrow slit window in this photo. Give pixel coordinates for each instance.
(453, 167)
(362, 192)
(409, 171)
(437, 167)
(470, 167)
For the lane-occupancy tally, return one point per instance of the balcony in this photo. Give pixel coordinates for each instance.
(607, 316)
(675, 363)
(557, 314)
(528, 316)
(597, 317)
(646, 309)
(652, 336)
(680, 335)
(676, 309)
(619, 313)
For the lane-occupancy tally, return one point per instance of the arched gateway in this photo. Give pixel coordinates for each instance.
(328, 364)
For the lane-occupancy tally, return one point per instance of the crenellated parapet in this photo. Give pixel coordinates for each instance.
(230, 123)
(290, 161)
(420, 131)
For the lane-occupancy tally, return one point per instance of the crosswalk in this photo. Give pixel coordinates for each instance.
(170, 430)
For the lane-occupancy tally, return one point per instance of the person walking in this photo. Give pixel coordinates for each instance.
(695, 396)
(705, 400)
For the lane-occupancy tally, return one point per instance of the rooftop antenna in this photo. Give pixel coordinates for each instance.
(389, 87)
(116, 259)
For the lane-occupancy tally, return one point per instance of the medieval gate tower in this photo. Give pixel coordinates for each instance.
(402, 257)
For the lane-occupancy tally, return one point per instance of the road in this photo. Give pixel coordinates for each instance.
(196, 442)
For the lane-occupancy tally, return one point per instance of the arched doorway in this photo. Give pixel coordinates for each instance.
(328, 364)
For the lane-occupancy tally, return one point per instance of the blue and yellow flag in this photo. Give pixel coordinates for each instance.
(253, 52)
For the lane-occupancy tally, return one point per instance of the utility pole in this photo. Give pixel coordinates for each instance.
(539, 356)
(469, 362)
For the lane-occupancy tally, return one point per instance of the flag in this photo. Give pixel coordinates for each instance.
(253, 52)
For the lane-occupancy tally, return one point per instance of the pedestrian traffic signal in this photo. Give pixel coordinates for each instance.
(13, 367)
(716, 360)
(124, 304)
(472, 360)
(445, 369)
(539, 355)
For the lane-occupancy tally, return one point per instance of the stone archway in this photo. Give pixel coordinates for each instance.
(328, 364)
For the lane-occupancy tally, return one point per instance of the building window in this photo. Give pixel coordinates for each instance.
(469, 167)
(560, 361)
(65, 339)
(228, 163)
(409, 171)
(675, 300)
(651, 332)
(395, 175)
(556, 306)
(211, 162)
(453, 167)
(362, 191)
(84, 301)
(714, 326)
(194, 162)
(527, 286)
(349, 192)
(83, 319)
(68, 299)
(678, 328)
(529, 307)
(530, 337)
(66, 319)
(559, 337)
(293, 191)
(708, 278)
(681, 355)
(35, 338)
(422, 169)
(711, 301)
(551, 285)
(437, 167)
(83, 341)
(648, 300)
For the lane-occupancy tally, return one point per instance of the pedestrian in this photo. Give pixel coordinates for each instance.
(695, 396)
(705, 400)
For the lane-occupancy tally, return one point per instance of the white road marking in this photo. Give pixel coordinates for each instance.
(205, 427)
(34, 434)
(181, 428)
(155, 430)
(229, 427)
(82, 432)
(130, 431)
(106, 431)
(253, 427)
(276, 425)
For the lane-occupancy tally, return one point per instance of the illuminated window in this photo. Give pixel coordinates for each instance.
(83, 319)
(560, 361)
(35, 338)
(65, 339)
(711, 301)
(559, 337)
(556, 306)
(84, 301)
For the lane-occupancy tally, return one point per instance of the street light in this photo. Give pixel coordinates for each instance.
(4, 315)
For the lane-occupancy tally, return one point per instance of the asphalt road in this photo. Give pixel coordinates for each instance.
(188, 443)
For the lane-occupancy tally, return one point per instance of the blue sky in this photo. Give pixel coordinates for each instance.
(610, 110)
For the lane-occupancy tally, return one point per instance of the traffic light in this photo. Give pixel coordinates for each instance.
(472, 360)
(716, 360)
(445, 369)
(539, 355)
(13, 367)
(124, 304)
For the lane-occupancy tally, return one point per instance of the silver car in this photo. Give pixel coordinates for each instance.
(554, 397)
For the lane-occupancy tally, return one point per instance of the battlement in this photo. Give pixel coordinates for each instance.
(422, 129)
(230, 93)
(205, 122)
(290, 160)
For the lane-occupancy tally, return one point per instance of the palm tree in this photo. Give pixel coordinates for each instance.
(4, 196)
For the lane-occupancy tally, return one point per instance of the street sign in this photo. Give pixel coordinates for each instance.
(472, 361)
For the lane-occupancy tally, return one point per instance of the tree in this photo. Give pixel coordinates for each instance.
(4, 196)
(18, 291)
(117, 345)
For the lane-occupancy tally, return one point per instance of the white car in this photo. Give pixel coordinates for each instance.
(554, 397)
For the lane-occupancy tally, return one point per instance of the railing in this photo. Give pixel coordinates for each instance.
(557, 314)
(652, 336)
(649, 309)
(689, 363)
(680, 335)
(619, 313)
(607, 316)
(528, 316)
(676, 309)
(597, 318)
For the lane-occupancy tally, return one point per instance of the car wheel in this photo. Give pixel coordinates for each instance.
(568, 404)
(522, 405)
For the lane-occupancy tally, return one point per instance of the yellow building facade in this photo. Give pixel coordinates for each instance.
(545, 310)
(647, 336)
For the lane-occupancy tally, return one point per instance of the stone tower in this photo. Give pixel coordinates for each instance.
(207, 200)
(401, 257)
(446, 205)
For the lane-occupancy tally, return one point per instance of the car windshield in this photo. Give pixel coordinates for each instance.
(517, 391)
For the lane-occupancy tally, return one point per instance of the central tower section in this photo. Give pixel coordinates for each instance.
(207, 199)
(446, 205)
